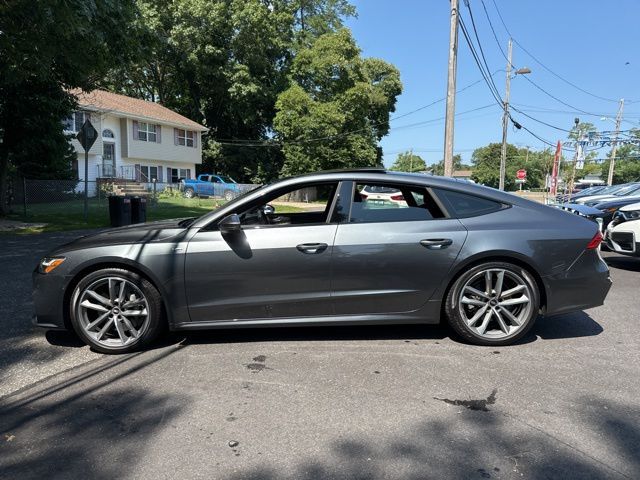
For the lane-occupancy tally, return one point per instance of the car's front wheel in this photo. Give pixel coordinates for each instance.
(495, 303)
(116, 311)
(228, 195)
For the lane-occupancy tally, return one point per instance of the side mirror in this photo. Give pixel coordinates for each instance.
(230, 223)
(268, 209)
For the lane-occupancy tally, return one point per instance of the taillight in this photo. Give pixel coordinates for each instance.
(595, 241)
(397, 198)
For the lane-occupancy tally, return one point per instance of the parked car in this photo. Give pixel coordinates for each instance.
(207, 185)
(578, 193)
(382, 196)
(490, 261)
(610, 207)
(623, 233)
(625, 190)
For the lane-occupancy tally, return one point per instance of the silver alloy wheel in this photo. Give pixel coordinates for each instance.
(189, 193)
(495, 303)
(113, 311)
(228, 195)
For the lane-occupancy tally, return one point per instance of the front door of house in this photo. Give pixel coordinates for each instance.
(109, 159)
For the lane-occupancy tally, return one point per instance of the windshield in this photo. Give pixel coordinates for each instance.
(629, 189)
(226, 179)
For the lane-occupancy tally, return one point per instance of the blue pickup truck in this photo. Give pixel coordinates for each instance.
(208, 185)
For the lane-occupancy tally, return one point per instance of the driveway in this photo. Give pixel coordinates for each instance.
(316, 403)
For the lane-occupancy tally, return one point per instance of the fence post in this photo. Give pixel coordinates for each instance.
(24, 195)
(155, 192)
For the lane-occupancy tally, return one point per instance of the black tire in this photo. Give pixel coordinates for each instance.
(150, 330)
(189, 193)
(468, 334)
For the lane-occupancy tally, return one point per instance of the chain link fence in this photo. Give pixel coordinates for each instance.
(62, 201)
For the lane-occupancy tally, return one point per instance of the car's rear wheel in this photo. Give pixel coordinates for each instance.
(116, 311)
(495, 303)
(189, 192)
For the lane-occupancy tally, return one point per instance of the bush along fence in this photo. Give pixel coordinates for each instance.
(61, 202)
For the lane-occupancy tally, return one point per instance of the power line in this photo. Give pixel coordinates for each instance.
(475, 31)
(538, 61)
(540, 121)
(474, 53)
(269, 143)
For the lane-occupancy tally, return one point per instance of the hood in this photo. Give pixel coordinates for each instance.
(159, 231)
(631, 208)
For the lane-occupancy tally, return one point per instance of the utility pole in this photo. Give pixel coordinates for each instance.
(615, 142)
(505, 119)
(451, 90)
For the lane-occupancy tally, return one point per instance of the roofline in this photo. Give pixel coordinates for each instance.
(382, 176)
(93, 108)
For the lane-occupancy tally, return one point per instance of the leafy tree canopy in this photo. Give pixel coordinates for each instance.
(336, 108)
(49, 47)
(408, 162)
(486, 161)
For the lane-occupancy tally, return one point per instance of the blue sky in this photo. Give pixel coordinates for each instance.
(586, 42)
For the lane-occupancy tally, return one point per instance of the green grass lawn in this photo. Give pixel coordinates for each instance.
(69, 215)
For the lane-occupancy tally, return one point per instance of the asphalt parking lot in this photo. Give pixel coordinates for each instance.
(345, 403)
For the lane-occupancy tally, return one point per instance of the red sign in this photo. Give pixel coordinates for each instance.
(521, 174)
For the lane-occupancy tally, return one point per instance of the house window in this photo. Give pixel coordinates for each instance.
(74, 122)
(148, 174)
(185, 138)
(107, 133)
(177, 174)
(147, 132)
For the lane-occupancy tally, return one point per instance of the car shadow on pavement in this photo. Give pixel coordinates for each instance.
(631, 264)
(569, 325)
(293, 334)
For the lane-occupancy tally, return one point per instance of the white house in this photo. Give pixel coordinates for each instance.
(137, 140)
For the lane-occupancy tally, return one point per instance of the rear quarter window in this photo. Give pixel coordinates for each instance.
(465, 205)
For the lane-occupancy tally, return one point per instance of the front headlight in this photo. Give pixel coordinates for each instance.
(634, 214)
(49, 264)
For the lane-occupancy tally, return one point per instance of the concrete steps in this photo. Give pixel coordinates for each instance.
(133, 189)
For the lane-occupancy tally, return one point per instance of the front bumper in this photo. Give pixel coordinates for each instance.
(584, 285)
(48, 300)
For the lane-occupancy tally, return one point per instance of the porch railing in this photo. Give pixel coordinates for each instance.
(126, 172)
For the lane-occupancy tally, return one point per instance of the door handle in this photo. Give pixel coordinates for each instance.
(436, 243)
(312, 248)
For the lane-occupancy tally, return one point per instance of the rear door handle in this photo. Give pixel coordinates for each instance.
(311, 248)
(436, 243)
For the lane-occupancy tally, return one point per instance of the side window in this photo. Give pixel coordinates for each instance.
(392, 203)
(465, 205)
(295, 206)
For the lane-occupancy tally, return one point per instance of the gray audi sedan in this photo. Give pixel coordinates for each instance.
(366, 247)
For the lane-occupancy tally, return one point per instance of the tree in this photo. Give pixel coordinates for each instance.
(408, 162)
(438, 168)
(486, 162)
(48, 48)
(223, 63)
(336, 108)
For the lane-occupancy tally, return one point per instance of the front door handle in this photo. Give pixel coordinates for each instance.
(311, 248)
(436, 243)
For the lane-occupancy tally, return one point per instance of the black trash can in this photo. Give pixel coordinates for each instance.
(138, 209)
(119, 211)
